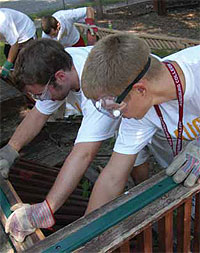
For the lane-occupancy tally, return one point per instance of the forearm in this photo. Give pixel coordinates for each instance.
(90, 12)
(28, 129)
(105, 189)
(71, 173)
(111, 181)
(13, 52)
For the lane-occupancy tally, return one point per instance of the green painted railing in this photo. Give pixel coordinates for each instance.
(106, 221)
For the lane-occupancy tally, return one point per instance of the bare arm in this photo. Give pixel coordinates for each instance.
(13, 52)
(90, 12)
(111, 181)
(71, 173)
(28, 129)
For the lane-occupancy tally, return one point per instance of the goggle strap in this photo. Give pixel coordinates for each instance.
(121, 97)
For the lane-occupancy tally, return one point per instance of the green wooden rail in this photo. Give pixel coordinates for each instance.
(4, 203)
(106, 221)
(5, 206)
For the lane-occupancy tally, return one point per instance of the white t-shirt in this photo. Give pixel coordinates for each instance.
(135, 134)
(68, 34)
(15, 26)
(95, 126)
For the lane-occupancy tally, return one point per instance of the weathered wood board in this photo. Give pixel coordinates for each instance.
(9, 197)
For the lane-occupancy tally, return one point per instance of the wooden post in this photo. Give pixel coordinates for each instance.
(165, 233)
(184, 226)
(160, 7)
(99, 9)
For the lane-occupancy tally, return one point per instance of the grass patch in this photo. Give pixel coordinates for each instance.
(2, 56)
(164, 52)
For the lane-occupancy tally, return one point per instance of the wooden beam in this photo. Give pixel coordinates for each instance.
(184, 226)
(165, 233)
(9, 197)
(144, 241)
(197, 225)
(122, 231)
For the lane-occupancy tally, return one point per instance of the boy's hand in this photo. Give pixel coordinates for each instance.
(8, 155)
(186, 165)
(26, 218)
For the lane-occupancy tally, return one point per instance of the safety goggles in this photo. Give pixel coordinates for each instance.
(45, 95)
(115, 106)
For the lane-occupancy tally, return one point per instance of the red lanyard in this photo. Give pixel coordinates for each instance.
(179, 93)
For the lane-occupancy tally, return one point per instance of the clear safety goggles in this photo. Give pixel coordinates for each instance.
(45, 95)
(115, 106)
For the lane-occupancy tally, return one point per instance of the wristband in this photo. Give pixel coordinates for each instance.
(6, 68)
(8, 65)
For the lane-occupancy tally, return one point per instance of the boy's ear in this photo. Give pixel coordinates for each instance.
(59, 75)
(58, 26)
(140, 88)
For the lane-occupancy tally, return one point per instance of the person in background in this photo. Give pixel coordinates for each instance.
(16, 30)
(60, 26)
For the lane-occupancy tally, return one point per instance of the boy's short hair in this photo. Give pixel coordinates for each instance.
(113, 64)
(40, 60)
(47, 23)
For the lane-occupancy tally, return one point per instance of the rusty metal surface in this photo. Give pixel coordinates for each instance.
(32, 181)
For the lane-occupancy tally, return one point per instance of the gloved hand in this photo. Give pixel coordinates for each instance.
(92, 30)
(186, 165)
(7, 157)
(6, 69)
(26, 218)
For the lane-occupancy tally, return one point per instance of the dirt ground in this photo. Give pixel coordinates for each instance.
(141, 18)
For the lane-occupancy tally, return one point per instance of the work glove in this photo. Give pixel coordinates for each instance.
(91, 31)
(27, 218)
(7, 157)
(6, 69)
(186, 165)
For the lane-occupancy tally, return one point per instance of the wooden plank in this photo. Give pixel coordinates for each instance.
(125, 248)
(165, 233)
(111, 218)
(184, 226)
(11, 103)
(126, 229)
(180, 43)
(9, 197)
(144, 241)
(197, 225)
(5, 243)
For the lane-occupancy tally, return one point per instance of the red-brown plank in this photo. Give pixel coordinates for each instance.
(165, 233)
(184, 226)
(144, 241)
(197, 225)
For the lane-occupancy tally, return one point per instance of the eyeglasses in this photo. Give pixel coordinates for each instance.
(46, 95)
(114, 106)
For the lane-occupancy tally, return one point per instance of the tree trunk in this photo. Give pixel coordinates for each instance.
(160, 7)
(99, 9)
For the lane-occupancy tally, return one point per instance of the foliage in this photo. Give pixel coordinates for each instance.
(86, 186)
(2, 56)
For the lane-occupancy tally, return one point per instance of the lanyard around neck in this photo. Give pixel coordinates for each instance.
(179, 93)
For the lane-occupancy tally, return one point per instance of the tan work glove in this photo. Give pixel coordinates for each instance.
(186, 165)
(8, 155)
(26, 218)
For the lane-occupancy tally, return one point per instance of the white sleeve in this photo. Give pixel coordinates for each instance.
(11, 34)
(44, 35)
(134, 135)
(47, 107)
(78, 15)
(95, 126)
